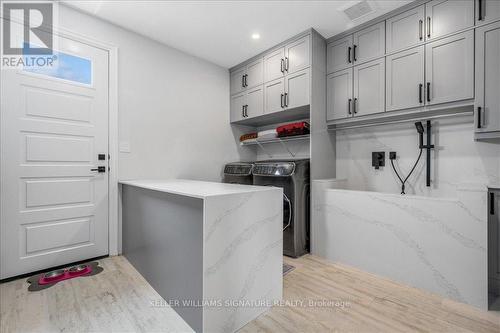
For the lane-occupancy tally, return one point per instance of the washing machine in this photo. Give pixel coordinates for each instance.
(238, 173)
(294, 177)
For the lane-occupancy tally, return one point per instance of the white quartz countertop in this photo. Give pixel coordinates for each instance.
(195, 188)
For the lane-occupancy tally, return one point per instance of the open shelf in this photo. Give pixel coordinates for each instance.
(277, 140)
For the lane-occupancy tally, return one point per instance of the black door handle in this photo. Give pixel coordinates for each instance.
(492, 203)
(428, 91)
(99, 169)
(349, 104)
(480, 10)
(286, 99)
(428, 27)
(420, 29)
(286, 64)
(354, 106)
(282, 101)
(479, 125)
(243, 81)
(354, 52)
(349, 54)
(420, 86)
(282, 65)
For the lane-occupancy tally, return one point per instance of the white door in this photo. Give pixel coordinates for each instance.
(405, 30)
(274, 93)
(297, 55)
(237, 109)
(369, 43)
(339, 54)
(236, 80)
(405, 79)
(254, 102)
(369, 88)
(488, 78)
(54, 207)
(297, 89)
(339, 95)
(448, 16)
(449, 69)
(274, 65)
(255, 73)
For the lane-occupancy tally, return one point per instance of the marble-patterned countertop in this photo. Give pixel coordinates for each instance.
(194, 188)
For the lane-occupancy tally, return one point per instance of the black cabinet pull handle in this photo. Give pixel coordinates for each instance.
(354, 106)
(349, 104)
(479, 120)
(428, 26)
(492, 203)
(282, 65)
(286, 99)
(428, 91)
(287, 63)
(354, 52)
(243, 111)
(349, 54)
(420, 29)
(243, 81)
(282, 106)
(480, 10)
(420, 86)
(99, 169)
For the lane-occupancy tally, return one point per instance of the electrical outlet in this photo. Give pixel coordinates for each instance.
(392, 155)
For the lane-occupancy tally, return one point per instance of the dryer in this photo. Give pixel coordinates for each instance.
(294, 177)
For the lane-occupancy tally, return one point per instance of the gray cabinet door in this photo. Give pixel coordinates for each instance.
(274, 92)
(255, 73)
(339, 54)
(405, 79)
(369, 43)
(297, 89)
(369, 88)
(339, 95)
(255, 102)
(236, 80)
(449, 69)
(487, 11)
(488, 78)
(298, 55)
(274, 65)
(237, 103)
(448, 16)
(405, 30)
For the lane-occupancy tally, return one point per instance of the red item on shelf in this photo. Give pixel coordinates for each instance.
(300, 128)
(248, 136)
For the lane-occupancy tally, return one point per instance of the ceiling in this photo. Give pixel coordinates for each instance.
(220, 31)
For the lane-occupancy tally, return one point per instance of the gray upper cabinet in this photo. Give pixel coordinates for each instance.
(487, 11)
(405, 30)
(274, 95)
(339, 95)
(237, 108)
(448, 16)
(369, 88)
(488, 78)
(297, 89)
(339, 54)
(274, 65)
(237, 80)
(369, 43)
(297, 55)
(254, 73)
(449, 69)
(254, 102)
(405, 79)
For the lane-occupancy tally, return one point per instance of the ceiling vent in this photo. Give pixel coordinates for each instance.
(358, 10)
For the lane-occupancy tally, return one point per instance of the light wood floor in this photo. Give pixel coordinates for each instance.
(118, 300)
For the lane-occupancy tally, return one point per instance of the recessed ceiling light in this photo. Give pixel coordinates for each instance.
(255, 36)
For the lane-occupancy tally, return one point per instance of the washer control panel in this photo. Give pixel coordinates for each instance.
(241, 169)
(281, 169)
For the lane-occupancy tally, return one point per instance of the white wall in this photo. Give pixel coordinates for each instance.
(456, 159)
(173, 107)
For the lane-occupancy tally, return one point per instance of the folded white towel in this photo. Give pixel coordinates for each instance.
(267, 135)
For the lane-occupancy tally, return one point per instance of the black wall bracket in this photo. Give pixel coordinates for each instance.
(378, 159)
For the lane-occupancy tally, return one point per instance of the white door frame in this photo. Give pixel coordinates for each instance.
(114, 242)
